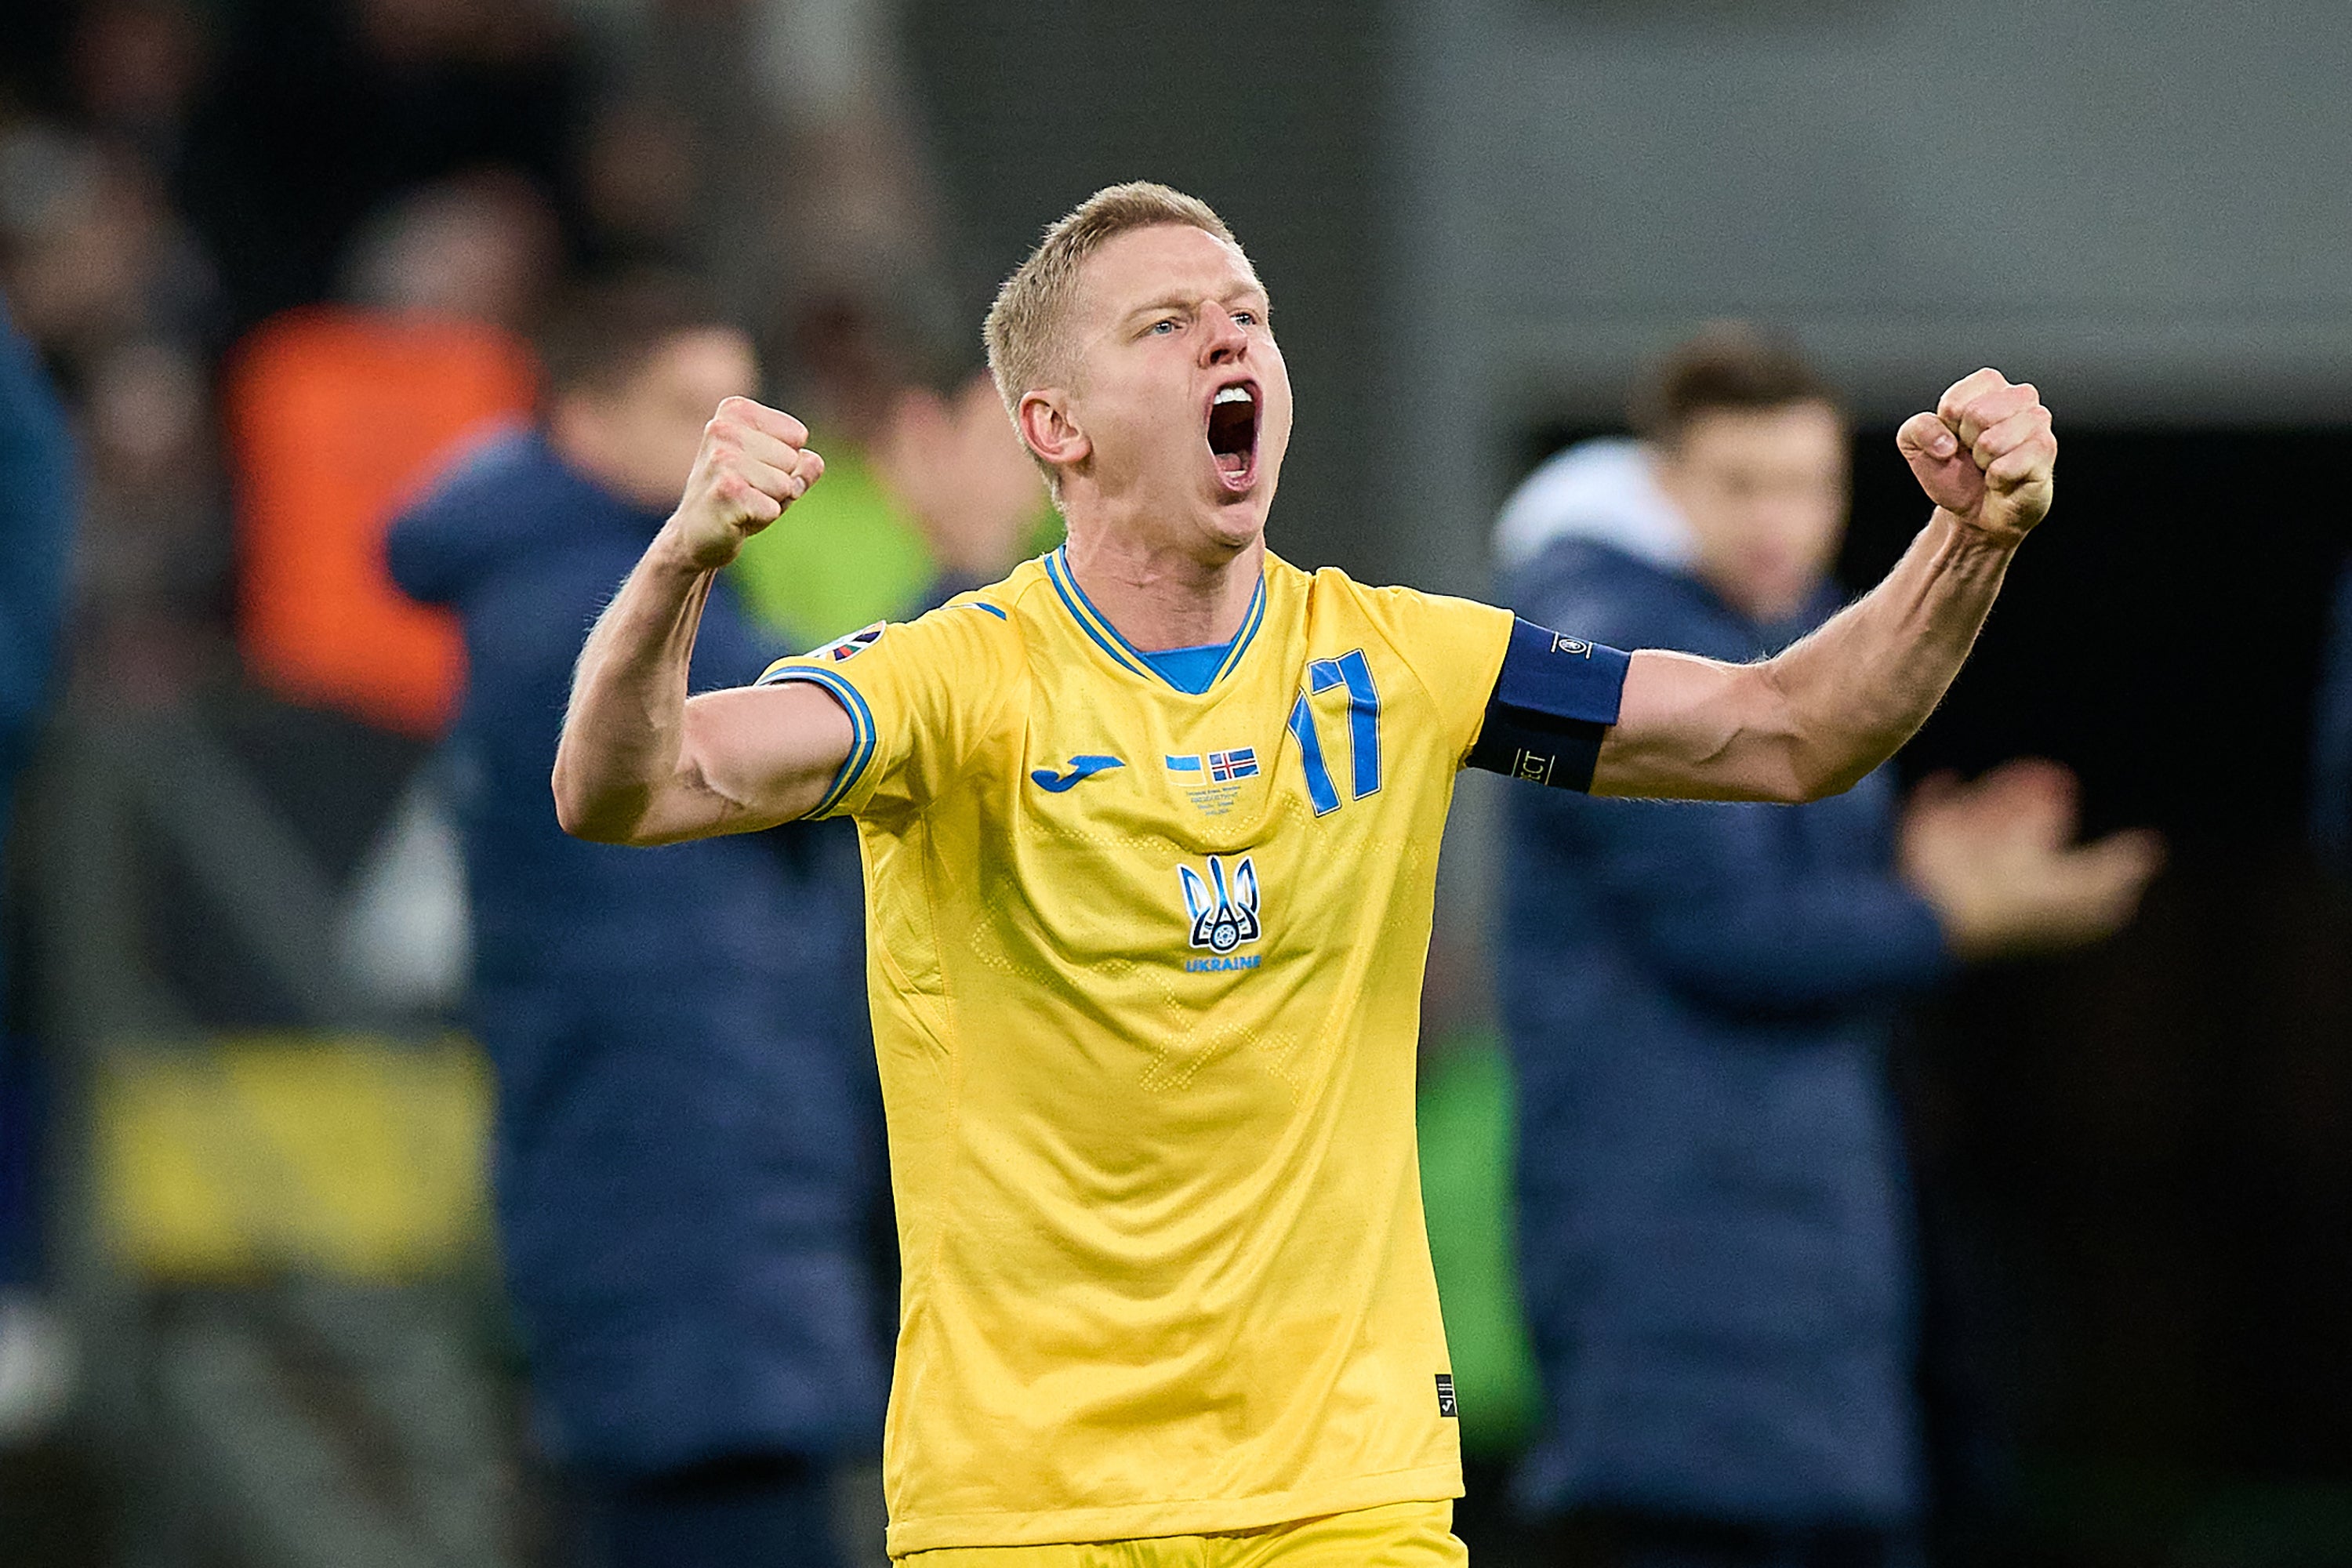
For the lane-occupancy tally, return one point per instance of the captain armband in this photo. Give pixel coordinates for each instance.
(1553, 702)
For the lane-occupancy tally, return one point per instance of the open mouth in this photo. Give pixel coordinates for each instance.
(1233, 434)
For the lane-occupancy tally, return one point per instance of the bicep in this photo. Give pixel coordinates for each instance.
(755, 756)
(1697, 729)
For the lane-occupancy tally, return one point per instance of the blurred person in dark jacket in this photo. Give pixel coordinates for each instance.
(1715, 1251)
(2331, 777)
(36, 511)
(687, 1132)
(152, 606)
(37, 497)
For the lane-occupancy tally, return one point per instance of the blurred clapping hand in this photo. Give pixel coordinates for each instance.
(1998, 861)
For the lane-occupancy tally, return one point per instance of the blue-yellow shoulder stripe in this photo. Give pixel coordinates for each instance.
(861, 725)
(992, 609)
(1075, 600)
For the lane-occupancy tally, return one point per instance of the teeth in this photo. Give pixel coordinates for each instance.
(1232, 394)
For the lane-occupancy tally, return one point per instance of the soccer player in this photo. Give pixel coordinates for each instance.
(1150, 832)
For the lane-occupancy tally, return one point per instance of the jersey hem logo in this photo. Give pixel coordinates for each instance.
(1081, 769)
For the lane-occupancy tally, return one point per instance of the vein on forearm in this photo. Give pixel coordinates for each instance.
(624, 731)
(1864, 684)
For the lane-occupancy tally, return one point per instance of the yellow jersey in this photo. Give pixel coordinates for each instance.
(1146, 969)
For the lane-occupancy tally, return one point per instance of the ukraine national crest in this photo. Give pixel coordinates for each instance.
(1223, 908)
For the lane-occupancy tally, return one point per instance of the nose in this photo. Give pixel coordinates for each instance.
(1225, 342)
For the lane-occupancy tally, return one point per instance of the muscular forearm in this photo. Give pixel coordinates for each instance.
(621, 764)
(638, 764)
(1825, 712)
(1860, 687)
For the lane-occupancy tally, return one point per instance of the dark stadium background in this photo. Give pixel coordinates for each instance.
(2134, 1183)
(2148, 1142)
(2136, 1165)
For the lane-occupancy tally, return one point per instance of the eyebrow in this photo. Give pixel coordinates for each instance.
(1254, 294)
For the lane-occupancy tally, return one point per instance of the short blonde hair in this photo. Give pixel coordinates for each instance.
(1024, 323)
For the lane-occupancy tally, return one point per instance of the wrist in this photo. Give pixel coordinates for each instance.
(672, 554)
(1975, 535)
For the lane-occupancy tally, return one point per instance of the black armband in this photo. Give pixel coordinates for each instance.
(1554, 699)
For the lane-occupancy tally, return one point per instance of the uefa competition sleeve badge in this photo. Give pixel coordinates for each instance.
(850, 646)
(1223, 906)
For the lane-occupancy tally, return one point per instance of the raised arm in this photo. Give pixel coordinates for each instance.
(640, 763)
(1825, 711)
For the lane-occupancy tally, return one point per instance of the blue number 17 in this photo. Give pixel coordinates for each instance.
(1364, 728)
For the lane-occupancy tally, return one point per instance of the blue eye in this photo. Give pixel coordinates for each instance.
(1246, 318)
(1165, 327)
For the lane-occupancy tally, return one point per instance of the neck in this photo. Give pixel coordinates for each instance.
(586, 454)
(1159, 597)
(1758, 605)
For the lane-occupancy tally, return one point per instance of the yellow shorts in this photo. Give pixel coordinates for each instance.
(1395, 1535)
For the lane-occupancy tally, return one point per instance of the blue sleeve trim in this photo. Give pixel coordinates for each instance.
(992, 609)
(1553, 702)
(861, 725)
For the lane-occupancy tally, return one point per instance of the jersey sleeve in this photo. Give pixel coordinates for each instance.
(920, 696)
(1454, 648)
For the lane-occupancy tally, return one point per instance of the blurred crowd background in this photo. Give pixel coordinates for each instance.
(288, 265)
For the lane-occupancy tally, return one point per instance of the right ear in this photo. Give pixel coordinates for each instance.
(1050, 431)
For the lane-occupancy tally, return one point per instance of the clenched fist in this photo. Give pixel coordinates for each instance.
(752, 466)
(1986, 454)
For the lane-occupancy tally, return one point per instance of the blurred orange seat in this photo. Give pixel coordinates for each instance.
(336, 418)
